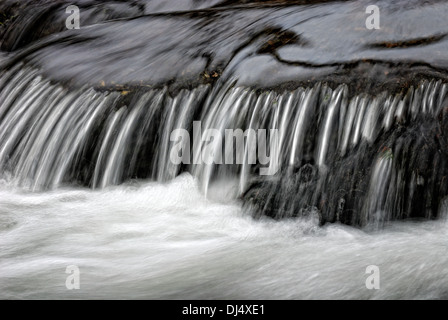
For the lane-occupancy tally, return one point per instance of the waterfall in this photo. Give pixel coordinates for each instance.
(52, 135)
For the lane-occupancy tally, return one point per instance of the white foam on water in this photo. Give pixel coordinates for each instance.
(153, 240)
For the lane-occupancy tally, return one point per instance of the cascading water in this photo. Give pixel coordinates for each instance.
(52, 136)
(87, 176)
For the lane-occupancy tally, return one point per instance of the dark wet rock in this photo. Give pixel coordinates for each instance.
(29, 21)
(418, 153)
(282, 46)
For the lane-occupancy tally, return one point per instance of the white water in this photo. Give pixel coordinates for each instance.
(152, 240)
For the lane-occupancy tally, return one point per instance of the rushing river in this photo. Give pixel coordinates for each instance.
(152, 240)
(88, 183)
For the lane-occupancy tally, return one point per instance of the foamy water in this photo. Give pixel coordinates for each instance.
(152, 240)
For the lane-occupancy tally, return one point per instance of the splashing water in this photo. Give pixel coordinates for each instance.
(148, 240)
